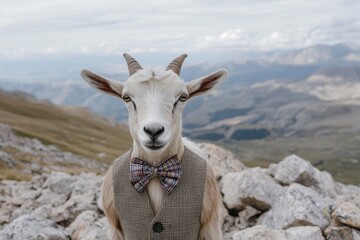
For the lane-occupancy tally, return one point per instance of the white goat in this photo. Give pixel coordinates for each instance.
(155, 100)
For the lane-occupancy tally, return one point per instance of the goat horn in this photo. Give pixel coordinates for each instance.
(176, 64)
(133, 65)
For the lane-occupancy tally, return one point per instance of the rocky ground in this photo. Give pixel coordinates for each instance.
(291, 200)
(21, 157)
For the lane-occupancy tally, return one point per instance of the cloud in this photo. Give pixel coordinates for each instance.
(352, 57)
(112, 27)
(228, 39)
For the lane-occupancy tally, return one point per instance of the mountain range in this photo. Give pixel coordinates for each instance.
(282, 91)
(305, 100)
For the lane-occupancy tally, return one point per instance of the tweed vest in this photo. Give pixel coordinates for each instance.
(179, 217)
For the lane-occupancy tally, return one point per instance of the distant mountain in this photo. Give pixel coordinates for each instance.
(319, 54)
(303, 101)
(275, 94)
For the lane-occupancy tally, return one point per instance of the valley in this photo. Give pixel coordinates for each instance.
(304, 101)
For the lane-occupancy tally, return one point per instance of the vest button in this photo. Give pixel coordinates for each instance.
(158, 227)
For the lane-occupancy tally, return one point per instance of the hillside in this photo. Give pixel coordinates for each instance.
(80, 133)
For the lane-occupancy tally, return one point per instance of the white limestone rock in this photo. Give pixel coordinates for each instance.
(348, 214)
(61, 183)
(222, 161)
(30, 227)
(250, 187)
(294, 169)
(300, 206)
(82, 197)
(341, 233)
(304, 233)
(88, 226)
(261, 232)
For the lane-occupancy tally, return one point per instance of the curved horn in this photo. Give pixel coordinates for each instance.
(133, 65)
(176, 64)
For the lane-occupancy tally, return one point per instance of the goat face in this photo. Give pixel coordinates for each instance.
(155, 100)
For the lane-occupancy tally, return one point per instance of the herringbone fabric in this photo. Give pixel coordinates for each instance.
(180, 214)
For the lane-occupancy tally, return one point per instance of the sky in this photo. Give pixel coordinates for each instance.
(40, 30)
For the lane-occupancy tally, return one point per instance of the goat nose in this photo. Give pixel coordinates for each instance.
(154, 130)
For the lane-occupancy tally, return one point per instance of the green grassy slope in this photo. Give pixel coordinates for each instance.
(70, 128)
(338, 154)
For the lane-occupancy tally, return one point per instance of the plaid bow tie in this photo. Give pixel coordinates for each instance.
(168, 171)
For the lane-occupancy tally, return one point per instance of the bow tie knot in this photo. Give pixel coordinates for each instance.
(154, 171)
(168, 172)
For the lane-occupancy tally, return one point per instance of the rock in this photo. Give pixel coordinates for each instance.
(221, 160)
(98, 230)
(43, 211)
(349, 193)
(348, 213)
(86, 227)
(294, 169)
(30, 227)
(245, 218)
(300, 206)
(47, 196)
(5, 213)
(260, 232)
(250, 187)
(61, 183)
(7, 159)
(256, 206)
(83, 197)
(304, 233)
(249, 215)
(341, 233)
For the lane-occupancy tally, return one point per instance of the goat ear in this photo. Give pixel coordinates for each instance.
(206, 84)
(105, 85)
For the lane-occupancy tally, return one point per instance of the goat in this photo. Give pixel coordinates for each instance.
(155, 100)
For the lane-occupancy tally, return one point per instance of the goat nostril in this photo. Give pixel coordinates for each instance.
(154, 131)
(148, 131)
(161, 130)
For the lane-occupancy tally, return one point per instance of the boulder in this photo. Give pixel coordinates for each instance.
(348, 214)
(250, 187)
(32, 227)
(82, 197)
(300, 206)
(304, 233)
(341, 233)
(88, 226)
(61, 183)
(245, 218)
(261, 232)
(294, 169)
(221, 160)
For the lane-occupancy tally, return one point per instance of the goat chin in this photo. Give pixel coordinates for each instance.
(210, 224)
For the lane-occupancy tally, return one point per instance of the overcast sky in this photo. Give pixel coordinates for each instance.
(65, 27)
(86, 28)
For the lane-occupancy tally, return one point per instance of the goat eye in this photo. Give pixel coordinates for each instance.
(183, 98)
(126, 98)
